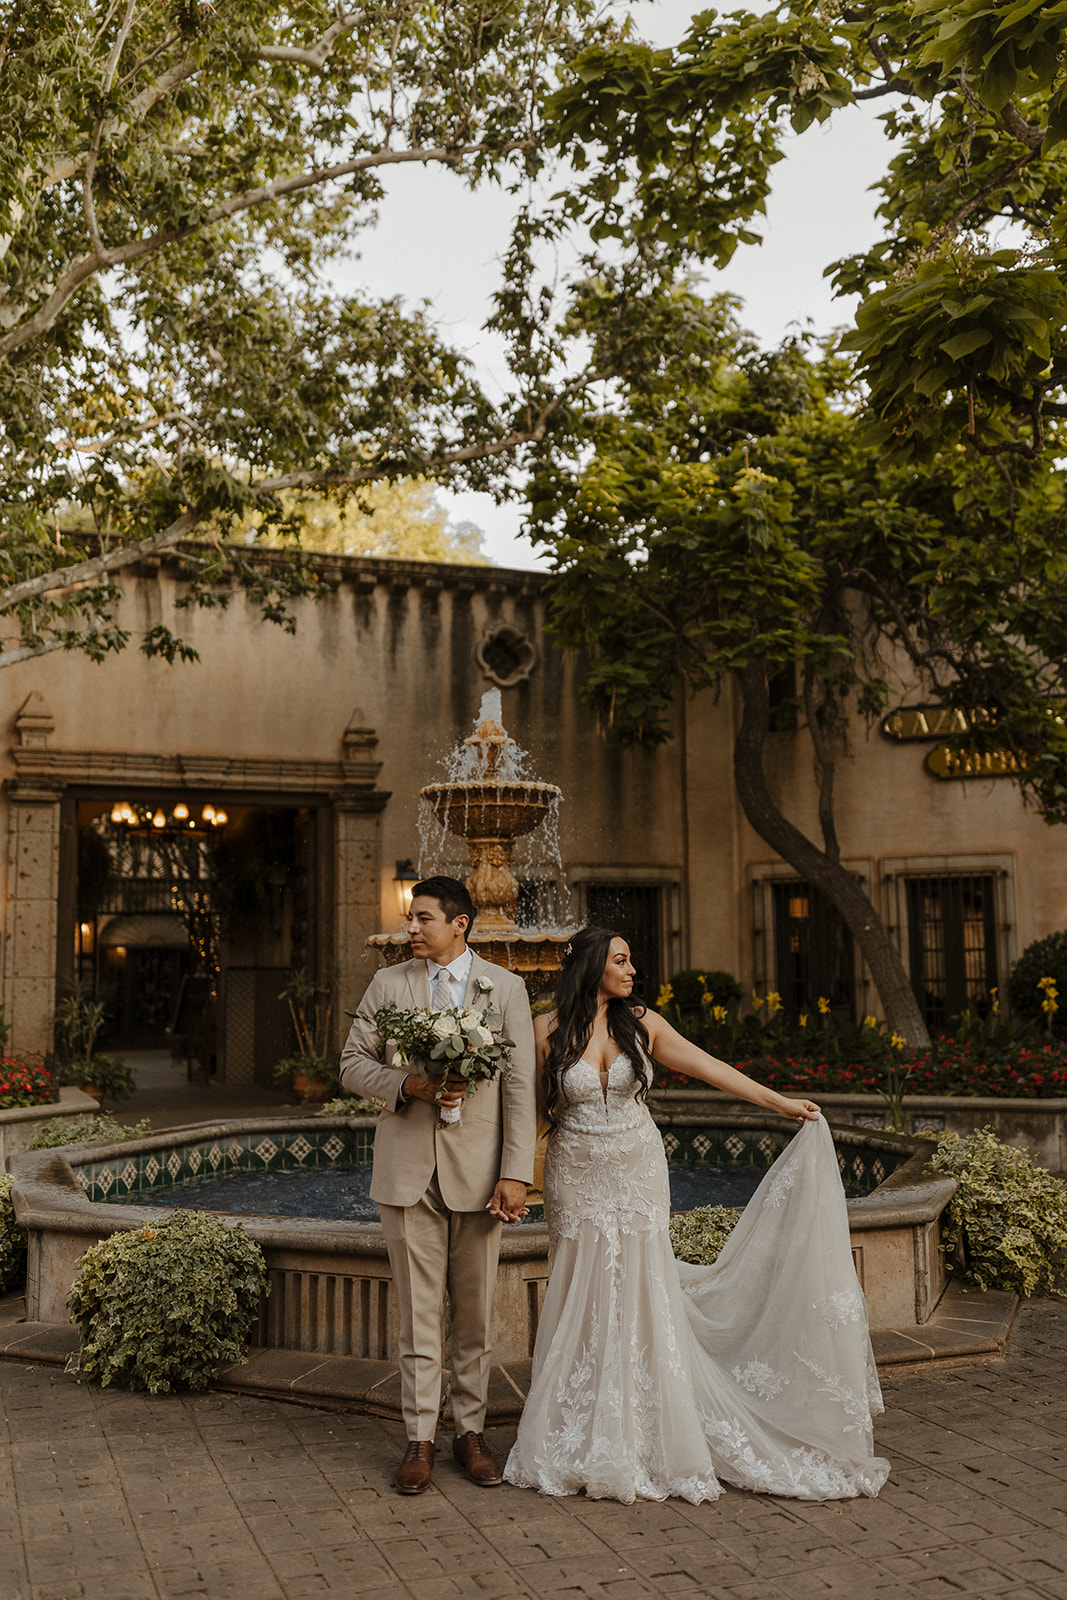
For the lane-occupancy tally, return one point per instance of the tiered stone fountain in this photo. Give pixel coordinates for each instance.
(491, 804)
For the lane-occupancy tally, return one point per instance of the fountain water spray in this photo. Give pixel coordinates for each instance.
(490, 801)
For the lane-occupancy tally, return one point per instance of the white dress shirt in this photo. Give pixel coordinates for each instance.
(458, 974)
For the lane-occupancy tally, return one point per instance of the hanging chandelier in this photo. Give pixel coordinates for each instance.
(179, 817)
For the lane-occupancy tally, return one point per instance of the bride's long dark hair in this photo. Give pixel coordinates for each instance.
(576, 1003)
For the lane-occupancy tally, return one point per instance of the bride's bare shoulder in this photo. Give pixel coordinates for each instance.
(544, 1025)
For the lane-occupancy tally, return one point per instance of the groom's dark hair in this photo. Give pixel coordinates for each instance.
(453, 897)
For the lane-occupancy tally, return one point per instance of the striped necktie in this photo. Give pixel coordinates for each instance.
(444, 992)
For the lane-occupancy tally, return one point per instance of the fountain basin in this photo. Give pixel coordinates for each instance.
(534, 955)
(491, 810)
(331, 1287)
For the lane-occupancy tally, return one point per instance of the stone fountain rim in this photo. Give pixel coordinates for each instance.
(497, 788)
(481, 936)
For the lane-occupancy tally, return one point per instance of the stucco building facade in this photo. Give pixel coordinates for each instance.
(307, 753)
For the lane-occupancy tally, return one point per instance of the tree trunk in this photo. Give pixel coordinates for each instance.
(825, 871)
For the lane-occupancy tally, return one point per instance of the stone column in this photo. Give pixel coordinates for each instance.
(358, 805)
(29, 956)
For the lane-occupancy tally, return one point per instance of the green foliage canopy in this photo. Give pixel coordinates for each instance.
(176, 180)
(959, 334)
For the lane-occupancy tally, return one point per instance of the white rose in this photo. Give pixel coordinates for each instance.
(471, 1018)
(480, 1036)
(444, 1026)
(483, 984)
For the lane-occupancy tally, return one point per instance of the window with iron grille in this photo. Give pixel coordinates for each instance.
(814, 952)
(952, 943)
(636, 910)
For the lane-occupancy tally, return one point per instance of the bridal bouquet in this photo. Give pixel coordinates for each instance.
(455, 1043)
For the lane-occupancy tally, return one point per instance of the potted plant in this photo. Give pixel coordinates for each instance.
(78, 1020)
(102, 1077)
(314, 1078)
(313, 1068)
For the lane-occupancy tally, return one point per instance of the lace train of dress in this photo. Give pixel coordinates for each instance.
(654, 1378)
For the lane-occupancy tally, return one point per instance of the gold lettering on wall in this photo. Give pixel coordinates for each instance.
(946, 763)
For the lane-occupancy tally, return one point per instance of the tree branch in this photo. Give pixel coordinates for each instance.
(824, 766)
(11, 658)
(97, 566)
(125, 555)
(1020, 129)
(101, 260)
(118, 47)
(953, 222)
(326, 479)
(318, 54)
(892, 81)
(866, 583)
(134, 433)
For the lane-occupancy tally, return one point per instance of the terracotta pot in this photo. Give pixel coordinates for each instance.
(92, 1090)
(310, 1090)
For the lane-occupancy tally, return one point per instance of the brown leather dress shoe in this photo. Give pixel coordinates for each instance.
(472, 1453)
(413, 1473)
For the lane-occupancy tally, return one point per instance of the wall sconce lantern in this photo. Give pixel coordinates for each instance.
(405, 880)
(798, 907)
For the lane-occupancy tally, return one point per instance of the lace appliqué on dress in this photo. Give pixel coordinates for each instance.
(854, 1405)
(844, 1305)
(781, 1183)
(758, 1378)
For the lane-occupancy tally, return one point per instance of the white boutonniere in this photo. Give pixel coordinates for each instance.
(483, 984)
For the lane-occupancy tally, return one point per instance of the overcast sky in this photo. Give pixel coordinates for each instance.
(438, 242)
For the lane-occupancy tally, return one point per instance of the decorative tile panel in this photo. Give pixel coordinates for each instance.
(862, 1170)
(282, 1149)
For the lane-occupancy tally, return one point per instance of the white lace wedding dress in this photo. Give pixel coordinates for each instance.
(654, 1378)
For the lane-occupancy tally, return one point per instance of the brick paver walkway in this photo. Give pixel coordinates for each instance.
(112, 1496)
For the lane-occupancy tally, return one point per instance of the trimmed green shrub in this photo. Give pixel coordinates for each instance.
(692, 984)
(698, 1236)
(351, 1108)
(12, 1241)
(169, 1305)
(1007, 1221)
(1045, 958)
(88, 1130)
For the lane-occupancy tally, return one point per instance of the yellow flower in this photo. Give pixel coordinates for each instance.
(774, 1002)
(757, 1000)
(896, 1041)
(719, 1013)
(803, 1019)
(665, 996)
(870, 1022)
(994, 995)
(701, 980)
(824, 1006)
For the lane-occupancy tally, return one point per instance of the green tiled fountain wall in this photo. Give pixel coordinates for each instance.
(134, 1171)
(137, 1171)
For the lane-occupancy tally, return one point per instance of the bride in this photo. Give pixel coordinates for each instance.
(654, 1378)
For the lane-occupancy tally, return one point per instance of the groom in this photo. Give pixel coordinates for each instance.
(443, 1192)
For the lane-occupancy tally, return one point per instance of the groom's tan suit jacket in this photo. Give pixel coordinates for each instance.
(498, 1133)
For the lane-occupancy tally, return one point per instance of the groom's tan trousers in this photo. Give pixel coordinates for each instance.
(433, 1250)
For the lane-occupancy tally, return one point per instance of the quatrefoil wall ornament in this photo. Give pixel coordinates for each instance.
(505, 654)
